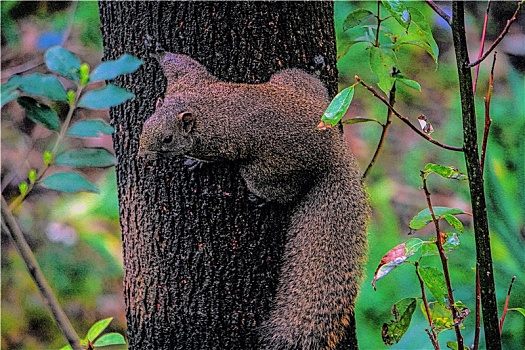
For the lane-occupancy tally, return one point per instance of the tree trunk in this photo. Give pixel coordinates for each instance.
(201, 256)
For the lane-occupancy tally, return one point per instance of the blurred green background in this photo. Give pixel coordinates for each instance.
(76, 238)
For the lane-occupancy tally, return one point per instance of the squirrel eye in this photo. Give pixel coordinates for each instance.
(167, 139)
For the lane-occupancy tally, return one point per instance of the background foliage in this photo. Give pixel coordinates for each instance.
(76, 237)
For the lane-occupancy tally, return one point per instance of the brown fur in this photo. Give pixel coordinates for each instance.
(269, 130)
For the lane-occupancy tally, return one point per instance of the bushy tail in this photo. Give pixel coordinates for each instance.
(323, 264)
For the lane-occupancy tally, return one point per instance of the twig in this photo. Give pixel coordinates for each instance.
(482, 45)
(488, 121)
(439, 11)
(407, 121)
(10, 227)
(506, 307)
(499, 38)
(432, 333)
(444, 264)
(384, 132)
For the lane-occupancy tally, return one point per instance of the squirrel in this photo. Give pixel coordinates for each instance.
(269, 130)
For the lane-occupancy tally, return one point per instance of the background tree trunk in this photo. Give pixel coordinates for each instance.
(201, 259)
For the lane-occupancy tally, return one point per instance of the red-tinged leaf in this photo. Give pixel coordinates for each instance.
(395, 257)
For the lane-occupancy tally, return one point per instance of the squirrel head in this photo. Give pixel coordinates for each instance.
(168, 132)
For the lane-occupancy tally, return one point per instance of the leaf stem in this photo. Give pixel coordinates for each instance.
(62, 133)
(406, 120)
(482, 45)
(499, 38)
(11, 228)
(444, 263)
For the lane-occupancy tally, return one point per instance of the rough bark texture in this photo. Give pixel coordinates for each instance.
(477, 191)
(201, 259)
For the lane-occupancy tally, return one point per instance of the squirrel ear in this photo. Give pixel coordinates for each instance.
(186, 121)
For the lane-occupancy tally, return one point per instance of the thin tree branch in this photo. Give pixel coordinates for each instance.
(384, 132)
(482, 45)
(444, 263)
(506, 307)
(10, 227)
(407, 121)
(499, 38)
(439, 11)
(488, 121)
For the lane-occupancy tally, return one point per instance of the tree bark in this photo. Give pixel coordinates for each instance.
(201, 256)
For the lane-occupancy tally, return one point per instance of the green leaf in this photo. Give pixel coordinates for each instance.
(424, 217)
(111, 69)
(518, 309)
(408, 82)
(381, 62)
(32, 175)
(441, 316)
(84, 74)
(22, 187)
(420, 25)
(454, 345)
(39, 112)
(41, 85)
(403, 310)
(47, 157)
(108, 96)
(110, 339)
(98, 328)
(67, 347)
(451, 242)
(454, 222)
(399, 11)
(338, 107)
(448, 172)
(68, 182)
(90, 128)
(416, 40)
(359, 120)
(435, 282)
(9, 91)
(356, 17)
(86, 157)
(63, 62)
